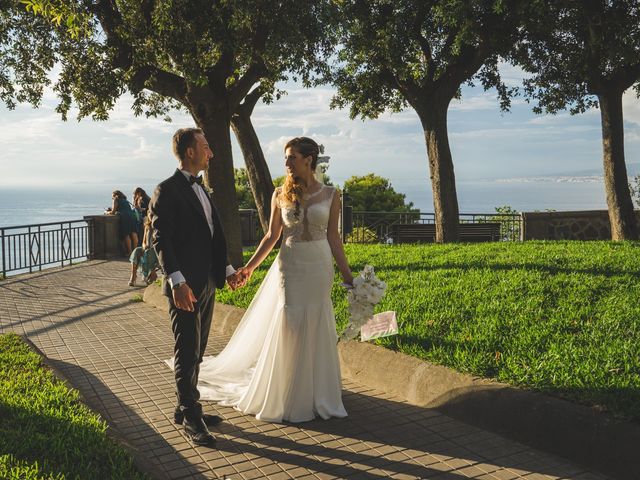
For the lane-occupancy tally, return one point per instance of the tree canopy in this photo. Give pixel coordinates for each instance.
(578, 49)
(584, 54)
(164, 52)
(397, 53)
(195, 54)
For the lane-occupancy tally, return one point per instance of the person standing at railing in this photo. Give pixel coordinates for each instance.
(141, 200)
(141, 204)
(128, 222)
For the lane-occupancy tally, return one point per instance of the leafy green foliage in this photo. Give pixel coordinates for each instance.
(559, 317)
(206, 57)
(362, 234)
(37, 35)
(372, 193)
(76, 23)
(509, 223)
(243, 189)
(400, 53)
(575, 50)
(45, 431)
(279, 181)
(370, 196)
(167, 54)
(26, 56)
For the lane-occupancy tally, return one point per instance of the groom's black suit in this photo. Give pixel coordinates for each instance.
(183, 242)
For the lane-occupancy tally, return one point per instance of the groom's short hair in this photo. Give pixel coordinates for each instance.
(183, 139)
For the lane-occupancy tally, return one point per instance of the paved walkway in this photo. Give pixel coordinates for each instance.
(112, 349)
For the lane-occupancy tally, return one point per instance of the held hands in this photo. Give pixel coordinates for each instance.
(239, 279)
(245, 273)
(183, 297)
(233, 281)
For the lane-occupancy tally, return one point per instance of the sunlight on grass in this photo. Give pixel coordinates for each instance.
(560, 317)
(45, 431)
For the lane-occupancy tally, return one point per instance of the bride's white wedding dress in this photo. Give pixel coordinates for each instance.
(281, 363)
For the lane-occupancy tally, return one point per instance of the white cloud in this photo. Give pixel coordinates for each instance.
(631, 107)
(484, 101)
(512, 75)
(484, 142)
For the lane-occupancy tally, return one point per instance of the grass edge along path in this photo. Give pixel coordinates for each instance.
(46, 432)
(559, 317)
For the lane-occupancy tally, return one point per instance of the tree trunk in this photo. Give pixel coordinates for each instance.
(257, 169)
(621, 215)
(443, 183)
(220, 177)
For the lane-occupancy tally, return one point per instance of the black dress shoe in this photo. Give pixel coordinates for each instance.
(209, 420)
(197, 432)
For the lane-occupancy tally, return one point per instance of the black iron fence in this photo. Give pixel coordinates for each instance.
(28, 248)
(377, 227)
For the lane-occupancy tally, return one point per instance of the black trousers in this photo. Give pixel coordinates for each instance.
(191, 333)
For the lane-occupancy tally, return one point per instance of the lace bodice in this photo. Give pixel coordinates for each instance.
(313, 217)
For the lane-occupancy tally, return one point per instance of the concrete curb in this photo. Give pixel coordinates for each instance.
(140, 458)
(573, 431)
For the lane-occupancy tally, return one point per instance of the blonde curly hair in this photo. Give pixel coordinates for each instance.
(292, 189)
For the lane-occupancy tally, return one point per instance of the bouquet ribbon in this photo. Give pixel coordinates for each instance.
(381, 324)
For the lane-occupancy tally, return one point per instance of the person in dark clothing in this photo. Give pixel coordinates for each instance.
(192, 252)
(128, 221)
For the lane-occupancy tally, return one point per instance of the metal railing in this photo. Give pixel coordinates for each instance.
(28, 248)
(375, 227)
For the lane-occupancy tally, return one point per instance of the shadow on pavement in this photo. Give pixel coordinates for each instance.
(390, 428)
(151, 452)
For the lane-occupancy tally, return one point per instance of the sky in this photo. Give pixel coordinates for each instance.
(39, 149)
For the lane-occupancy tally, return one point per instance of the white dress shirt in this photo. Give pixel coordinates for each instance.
(176, 278)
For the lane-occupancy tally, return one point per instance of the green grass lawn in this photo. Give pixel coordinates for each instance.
(45, 431)
(559, 317)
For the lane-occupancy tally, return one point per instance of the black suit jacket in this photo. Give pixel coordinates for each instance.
(181, 235)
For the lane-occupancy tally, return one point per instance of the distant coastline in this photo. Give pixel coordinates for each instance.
(553, 179)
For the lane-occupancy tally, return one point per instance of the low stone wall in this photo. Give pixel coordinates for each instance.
(104, 242)
(578, 225)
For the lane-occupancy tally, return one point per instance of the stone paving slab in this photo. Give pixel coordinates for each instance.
(112, 349)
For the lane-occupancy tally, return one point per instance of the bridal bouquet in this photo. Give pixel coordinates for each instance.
(366, 293)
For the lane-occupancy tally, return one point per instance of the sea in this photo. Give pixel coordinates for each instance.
(37, 205)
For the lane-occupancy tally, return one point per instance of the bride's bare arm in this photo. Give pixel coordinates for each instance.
(270, 238)
(335, 242)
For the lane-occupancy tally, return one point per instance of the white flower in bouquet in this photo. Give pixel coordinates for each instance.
(366, 293)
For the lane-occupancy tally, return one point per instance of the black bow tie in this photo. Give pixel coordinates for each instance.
(193, 180)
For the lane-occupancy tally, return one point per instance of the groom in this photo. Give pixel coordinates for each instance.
(192, 252)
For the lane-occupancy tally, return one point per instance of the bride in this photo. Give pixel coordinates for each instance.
(281, 363)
